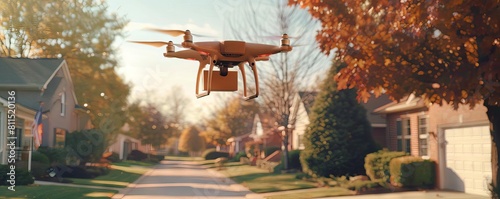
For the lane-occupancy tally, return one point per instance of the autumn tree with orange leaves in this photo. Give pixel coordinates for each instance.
(443, 50)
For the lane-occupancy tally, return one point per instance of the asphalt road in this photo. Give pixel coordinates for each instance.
(179, 179)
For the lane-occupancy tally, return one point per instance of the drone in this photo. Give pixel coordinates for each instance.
(223, 55)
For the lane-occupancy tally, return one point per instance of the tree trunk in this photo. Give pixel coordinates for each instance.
(494, 117)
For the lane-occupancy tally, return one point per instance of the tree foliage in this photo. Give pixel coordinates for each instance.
(443, 50)
(339, 135)
(191, 141)
(82, 32)
(153, 127)
(235, 119)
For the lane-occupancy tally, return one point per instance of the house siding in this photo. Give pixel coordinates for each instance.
(391, 128)
(438, 118)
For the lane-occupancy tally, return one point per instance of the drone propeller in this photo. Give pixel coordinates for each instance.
(155, 43)
(175, 33)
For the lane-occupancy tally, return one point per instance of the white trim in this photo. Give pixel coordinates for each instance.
(379, 125)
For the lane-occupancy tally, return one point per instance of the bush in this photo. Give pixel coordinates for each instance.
(270, 150)
(55, 155)
(294, 160)
(137, 155)
(39, 157)
(238, 156)
(80, 172)
(86, 145)
(23, 177)
(114, 157)
(363, 185)
(211, 154)
(411, 171)
(377, 164)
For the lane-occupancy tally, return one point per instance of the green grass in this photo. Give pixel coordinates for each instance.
(120, 175)
(314, 193)
(179, 158)
(54, 192)
(261, 181)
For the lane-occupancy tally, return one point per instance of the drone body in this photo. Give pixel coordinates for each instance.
(223, 55)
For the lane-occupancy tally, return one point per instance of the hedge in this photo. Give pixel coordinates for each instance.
(411, 171)
(377, 164)
(22, 176)
(212, 154)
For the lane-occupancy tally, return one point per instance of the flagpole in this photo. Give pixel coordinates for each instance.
(29, 153)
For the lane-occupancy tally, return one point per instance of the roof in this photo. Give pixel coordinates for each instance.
(307, 98)
(408, 103)
(372, 104)
(27, 73)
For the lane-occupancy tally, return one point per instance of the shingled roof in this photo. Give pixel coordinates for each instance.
(27, 73)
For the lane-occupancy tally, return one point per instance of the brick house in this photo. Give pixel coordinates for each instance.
(457, 140)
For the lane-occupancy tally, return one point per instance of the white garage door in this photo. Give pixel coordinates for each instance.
(468, 160)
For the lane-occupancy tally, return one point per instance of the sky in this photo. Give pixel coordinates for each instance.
(153, 76)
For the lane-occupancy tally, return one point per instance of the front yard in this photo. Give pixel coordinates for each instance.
(120, 176)
(272, 185)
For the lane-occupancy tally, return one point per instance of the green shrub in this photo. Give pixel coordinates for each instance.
(411, 171)
(114, 157)
(23, 177)
(270, 150)
(377, 164)
(55, 155)
(294, 160)
(239, 155)
(137, 155)
(211, 154)
(86, 145)
(39, 157)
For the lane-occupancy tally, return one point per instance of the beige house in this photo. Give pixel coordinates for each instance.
(46, 83)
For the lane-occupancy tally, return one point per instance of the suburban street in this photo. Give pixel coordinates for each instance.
(180, 179)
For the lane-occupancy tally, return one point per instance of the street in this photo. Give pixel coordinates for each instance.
(180, 179)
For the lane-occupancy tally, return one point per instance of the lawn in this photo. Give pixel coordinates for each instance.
(54, 192)
(314, 193)
(179, 158)
(261, 181)
(120, 175)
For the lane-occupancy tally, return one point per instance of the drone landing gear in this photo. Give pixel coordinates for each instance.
(254, 69)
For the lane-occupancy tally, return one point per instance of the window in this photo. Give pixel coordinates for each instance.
(403, 131)
(63, 104)
(423, 136)
(300, 139)
(60, 138)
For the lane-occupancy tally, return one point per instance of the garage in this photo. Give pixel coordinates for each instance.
(467, 158)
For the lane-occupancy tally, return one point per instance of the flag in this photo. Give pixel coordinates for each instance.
(37, 128)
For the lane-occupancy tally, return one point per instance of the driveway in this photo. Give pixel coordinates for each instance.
(415, 195)
(179, 179)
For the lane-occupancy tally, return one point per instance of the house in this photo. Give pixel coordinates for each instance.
(237, 143)
(301, 111)
(457, 140)
(124, 144)
(44, 83)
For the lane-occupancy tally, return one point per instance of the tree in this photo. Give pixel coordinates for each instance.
(285, 74)
(81, 32)
(191, 141)
(235, 119)
(176, 104)
(339, 135)
(445, 51)
(153, 127)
